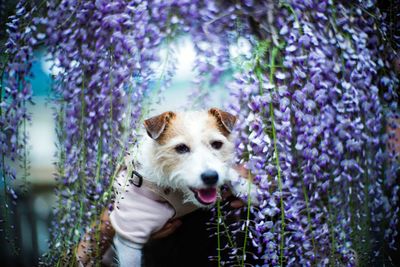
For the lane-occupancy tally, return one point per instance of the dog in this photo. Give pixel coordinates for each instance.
(178, 166)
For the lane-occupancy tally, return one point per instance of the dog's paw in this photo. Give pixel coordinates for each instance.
(243, 188)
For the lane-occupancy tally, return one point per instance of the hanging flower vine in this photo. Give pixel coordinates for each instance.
(316, 100)
(15, 96)
(315, 130)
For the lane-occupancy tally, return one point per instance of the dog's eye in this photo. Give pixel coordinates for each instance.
(182, 149)
(216, 144)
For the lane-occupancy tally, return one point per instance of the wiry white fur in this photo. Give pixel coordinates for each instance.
(195, 131)
(161, 164)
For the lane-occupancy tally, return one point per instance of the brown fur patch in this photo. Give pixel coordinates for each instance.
(225, 120)
(172, 129)
(156, 126)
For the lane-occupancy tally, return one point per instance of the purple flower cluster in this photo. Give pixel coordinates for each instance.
(316, 93)
(15, 96)
(316, 102)
(104, 51)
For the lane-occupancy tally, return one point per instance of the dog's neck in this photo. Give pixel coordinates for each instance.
(143, 155)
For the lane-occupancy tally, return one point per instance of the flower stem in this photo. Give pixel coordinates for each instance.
(258, 72)
(309, 217)
(282, 207)
(276, 152)
(218, 232)
(247, 218)
(332, 216)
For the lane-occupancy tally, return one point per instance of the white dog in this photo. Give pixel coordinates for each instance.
(177, 167)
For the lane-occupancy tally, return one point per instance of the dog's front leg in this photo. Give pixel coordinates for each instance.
(242, 187)
(129, 254)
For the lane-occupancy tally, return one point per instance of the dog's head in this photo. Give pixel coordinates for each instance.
(192, 151)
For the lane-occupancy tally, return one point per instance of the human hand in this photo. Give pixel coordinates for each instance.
(168, 229)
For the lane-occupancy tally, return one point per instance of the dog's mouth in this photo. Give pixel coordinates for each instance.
(205, 196)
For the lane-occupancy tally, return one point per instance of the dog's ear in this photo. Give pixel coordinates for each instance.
(156, 125)
(226, 121)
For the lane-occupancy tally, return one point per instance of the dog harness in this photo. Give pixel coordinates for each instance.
(142, 207)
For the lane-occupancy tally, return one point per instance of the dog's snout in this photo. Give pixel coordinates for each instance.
(209, 177)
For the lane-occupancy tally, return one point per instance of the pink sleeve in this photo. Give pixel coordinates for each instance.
(138, 212)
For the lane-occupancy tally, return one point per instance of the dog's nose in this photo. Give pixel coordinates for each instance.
(209, 177)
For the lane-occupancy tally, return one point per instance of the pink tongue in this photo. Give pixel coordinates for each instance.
(208, 195)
